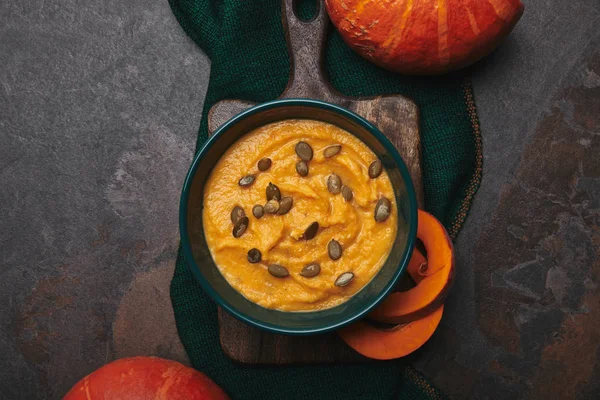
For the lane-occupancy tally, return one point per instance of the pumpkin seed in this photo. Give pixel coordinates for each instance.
(347, 193)
(258, 211)
(285, 205)
(375, 169)
(271, 207)
(254, 256)
(334, 184)
(311, 270)
(311, 231)
(240, 227)
(273, 192)
(334, 248)
(302, 168)
(247, 180)
(383, 209)
(237, 213)
(344, 279)
(264, 164)
(332, 150)
(278, 271)
(304, 151)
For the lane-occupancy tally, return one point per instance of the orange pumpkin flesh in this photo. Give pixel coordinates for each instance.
(433, 277)
(389, 344)
(417, 264)
(141, 378)
(424, 37)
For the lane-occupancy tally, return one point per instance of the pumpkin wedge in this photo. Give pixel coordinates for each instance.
(433, 277)
(387, 344)
(417, 263)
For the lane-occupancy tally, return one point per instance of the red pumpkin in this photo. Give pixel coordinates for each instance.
(142, 378)
(424, 37)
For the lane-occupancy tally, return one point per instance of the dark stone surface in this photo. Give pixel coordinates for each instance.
(99, 106)
(522, 319)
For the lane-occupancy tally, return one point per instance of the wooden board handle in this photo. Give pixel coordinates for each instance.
(306, 47)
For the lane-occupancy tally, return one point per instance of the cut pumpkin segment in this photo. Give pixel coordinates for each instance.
(418, 264)
(387, 344)
(433, 277)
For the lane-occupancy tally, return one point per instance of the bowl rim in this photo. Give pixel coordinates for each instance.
(183, 211)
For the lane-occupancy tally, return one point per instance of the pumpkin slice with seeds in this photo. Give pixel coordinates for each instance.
(433, 277)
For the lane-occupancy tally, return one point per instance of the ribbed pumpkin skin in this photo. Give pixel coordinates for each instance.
(144, 378)
(424, 37)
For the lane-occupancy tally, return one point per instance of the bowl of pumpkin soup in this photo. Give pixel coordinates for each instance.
(298, 216)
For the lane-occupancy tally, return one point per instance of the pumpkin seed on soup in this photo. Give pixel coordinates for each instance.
(236, 214)
(271, 207)
(304, 151)
(375, 169)
(334, 183)
(347, 193)
(264, 164)
(285, 205)
(302, 168)
(383, 209)
(311, 231)
(246, 181)
(311, 270)
(254, 256)
(332, 150)
(258, 211)
(344, 279)
(240, 227)
(278, 271)
(334, 249)
(273, 192)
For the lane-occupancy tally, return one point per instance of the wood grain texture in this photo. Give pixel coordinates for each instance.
(396, 116)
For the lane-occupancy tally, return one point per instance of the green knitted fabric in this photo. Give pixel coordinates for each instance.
(245, 42)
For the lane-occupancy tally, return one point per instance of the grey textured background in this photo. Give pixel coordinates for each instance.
(99, 107)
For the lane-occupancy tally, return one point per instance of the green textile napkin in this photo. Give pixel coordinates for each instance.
(245, 42)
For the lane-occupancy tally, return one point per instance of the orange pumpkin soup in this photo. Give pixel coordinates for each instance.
(299, 215)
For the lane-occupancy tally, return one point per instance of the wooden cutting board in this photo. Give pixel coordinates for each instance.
(396, 116)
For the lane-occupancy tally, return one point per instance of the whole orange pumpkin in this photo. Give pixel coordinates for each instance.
(424, 37)
(144, 378)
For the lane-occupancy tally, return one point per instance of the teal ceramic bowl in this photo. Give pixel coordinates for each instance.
(198, 256)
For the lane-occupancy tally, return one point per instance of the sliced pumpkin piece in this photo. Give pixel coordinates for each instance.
(416, 265)
(433, 277)
(387, 344)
